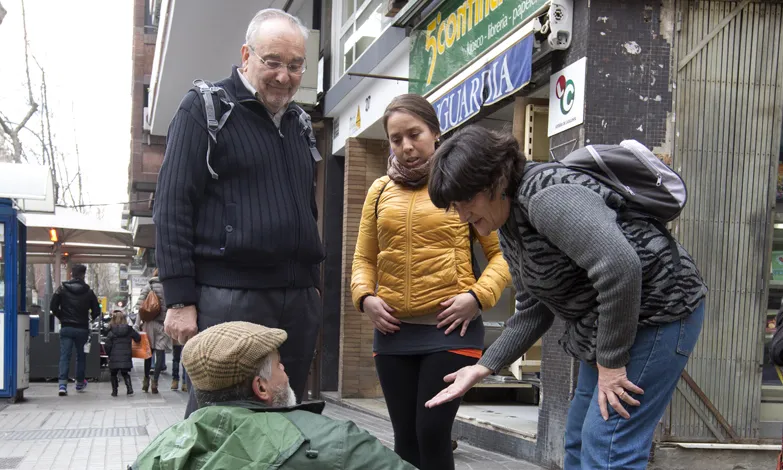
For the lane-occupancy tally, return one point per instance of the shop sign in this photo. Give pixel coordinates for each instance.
(567, 97)
(458, 32)
(138, 282)
(502, 77)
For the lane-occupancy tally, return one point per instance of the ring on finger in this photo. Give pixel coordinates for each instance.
(622, 394)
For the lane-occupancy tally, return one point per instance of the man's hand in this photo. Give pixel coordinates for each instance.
(181, 324)
(463, 379)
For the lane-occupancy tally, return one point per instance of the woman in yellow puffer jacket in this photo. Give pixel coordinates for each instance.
(413, 277)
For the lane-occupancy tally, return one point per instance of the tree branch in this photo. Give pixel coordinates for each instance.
(27, 59)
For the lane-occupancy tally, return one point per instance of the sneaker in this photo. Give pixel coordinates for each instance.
(63, 390)
(81, 386)
(175, 384)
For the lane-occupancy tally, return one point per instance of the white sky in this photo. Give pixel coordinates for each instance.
(85, 46)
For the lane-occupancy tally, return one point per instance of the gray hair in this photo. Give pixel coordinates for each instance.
(239, 392)
(270, 14)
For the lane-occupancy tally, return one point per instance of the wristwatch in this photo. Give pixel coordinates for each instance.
(179, 305)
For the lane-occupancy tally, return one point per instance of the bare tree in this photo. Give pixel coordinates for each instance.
(10, 129)
(105, 279)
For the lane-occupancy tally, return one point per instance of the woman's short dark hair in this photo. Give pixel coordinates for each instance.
(474, 159)
(416, 106)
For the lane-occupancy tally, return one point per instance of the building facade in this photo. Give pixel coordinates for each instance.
(700, 83)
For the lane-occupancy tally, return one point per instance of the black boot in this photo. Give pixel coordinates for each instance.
(128, 384)
(115, 382)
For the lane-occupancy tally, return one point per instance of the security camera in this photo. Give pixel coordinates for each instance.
(561, 20)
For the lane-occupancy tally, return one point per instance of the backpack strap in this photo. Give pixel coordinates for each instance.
(307, 131)
(208, 93)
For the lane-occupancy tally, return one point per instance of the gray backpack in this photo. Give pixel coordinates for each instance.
(650, 188)
(210, 92)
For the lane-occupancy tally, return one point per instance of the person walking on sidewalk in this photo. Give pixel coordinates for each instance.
(75, 305)
(413, 277)
(156, 334)
(631, 297)
(118, 346)
(236, 218)
(177, 355)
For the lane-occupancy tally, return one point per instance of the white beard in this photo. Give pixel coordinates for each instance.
(284, 398)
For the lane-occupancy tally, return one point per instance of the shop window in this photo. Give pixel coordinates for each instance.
(362, 22)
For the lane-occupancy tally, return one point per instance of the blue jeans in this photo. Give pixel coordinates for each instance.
(175, 364)
(70, 338)
(658, 357)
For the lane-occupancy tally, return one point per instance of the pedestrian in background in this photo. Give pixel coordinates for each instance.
(156, 333)
(75, 305)
(413, 277)
(118, 346)
(175, 362)
(632, 299)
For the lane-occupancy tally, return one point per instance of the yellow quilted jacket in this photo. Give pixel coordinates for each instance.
(419, 255)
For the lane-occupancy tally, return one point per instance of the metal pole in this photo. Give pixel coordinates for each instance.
(372, 75)
(47, 301)
(58, 259)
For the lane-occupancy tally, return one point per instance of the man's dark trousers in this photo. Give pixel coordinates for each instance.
(295, 310)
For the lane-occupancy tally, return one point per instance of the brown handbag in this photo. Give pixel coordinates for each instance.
(150, 308)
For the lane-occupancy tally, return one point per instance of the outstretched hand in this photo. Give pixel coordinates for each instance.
(461, 381)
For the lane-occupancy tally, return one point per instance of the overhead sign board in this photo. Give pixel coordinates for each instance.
(501, 77)
(458, 32)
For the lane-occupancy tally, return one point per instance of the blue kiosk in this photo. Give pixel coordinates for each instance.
(14, 320)
(22, 187)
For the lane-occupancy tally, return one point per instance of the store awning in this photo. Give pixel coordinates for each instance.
(30, 186)
(74, 228)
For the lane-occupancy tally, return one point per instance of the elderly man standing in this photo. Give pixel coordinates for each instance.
(237, 238)
(245, 399)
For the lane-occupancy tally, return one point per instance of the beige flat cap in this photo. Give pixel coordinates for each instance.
(228, 353)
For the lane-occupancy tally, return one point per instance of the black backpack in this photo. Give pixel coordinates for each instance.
(210, 93)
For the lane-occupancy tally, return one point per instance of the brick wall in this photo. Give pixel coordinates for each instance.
(365, 161)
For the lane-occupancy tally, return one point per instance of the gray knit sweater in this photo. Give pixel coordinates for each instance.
(574, 253)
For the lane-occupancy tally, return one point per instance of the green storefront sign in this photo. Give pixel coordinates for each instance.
(458, 32)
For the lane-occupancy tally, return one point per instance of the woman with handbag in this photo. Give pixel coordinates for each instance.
(150, 320)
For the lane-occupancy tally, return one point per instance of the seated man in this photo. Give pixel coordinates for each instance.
(248, 417)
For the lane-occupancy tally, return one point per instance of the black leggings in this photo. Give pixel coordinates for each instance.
(159, 361)
(422, 436)
(114, 373)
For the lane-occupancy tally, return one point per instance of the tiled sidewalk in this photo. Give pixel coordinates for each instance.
(92, 430)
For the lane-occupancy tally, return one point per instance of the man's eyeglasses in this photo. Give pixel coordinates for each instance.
(293, 69)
